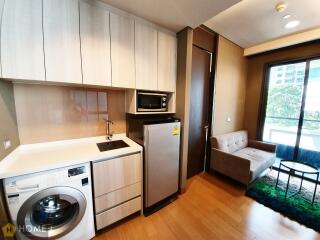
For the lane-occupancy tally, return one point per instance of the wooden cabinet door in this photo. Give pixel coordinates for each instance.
(116, 173)
(146, 57)
(62, 41)
(22, 54)
(122, 51)
(95, 44)
(167, 62)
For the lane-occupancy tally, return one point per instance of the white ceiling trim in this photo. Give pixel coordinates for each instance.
(284, 42)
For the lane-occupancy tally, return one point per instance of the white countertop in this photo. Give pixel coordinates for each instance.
(38, 157)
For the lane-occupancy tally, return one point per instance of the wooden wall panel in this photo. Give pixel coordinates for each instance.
(204, 38)
(230, 88)
(184, 62)
(50, 113)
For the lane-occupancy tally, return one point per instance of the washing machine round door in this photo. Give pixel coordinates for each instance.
(51, 213)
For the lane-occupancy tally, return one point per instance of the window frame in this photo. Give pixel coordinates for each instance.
(265, 91)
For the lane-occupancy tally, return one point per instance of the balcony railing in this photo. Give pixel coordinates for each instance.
(283, 131)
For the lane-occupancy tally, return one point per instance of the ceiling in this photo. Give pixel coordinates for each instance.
(174, 14)
(251, 22)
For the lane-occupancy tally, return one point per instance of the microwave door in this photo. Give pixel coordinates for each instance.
(150, 103)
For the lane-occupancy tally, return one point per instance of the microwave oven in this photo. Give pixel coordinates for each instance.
(152, 102)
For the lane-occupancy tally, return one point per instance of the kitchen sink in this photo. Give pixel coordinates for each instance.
(111, 145)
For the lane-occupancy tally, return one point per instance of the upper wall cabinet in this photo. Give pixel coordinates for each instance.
(167, 62)
(146, 57)
(62, 41)
(22, 54)
(122, 51)
(84, 42)
(95, 45)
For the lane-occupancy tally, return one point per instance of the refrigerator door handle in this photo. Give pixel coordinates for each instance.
(145, 162)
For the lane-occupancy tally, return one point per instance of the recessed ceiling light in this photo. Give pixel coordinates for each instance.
(286, 16)
(292, 24)
(280, 7)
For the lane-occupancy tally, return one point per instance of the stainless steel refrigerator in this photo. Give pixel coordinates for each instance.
(161, 141)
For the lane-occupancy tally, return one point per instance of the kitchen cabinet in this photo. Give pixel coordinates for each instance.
(146, 57)
(62, 41)
(84, 42)
(122, 51)
(116, 197)
(95, 44)
(22, 54)
(117, 187)
(117, 213)
(167, 62)
(116, 173)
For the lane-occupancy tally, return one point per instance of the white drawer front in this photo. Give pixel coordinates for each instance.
(119, 196)
(114, 174)
(115, 214)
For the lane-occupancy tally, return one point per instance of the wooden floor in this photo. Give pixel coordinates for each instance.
(213, 207)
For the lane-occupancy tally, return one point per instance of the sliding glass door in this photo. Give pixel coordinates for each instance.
(291, 113)
(284, 99)
(309, 145)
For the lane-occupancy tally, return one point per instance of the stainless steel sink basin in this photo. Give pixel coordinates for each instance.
(111, 145)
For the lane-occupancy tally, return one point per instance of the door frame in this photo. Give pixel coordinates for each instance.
(212, 82)
(210, 100)
(264, 97)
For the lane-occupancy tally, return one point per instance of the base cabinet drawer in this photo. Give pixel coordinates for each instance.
(117, 213)
(112, 199)
(116, 173)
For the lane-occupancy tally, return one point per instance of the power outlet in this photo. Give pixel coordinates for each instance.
(6, 144)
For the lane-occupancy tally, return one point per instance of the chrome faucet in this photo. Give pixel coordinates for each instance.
(109, 134)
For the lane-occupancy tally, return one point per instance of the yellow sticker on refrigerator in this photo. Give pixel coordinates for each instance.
(175, 131)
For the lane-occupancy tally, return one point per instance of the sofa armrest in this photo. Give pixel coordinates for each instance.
(269, 147)
(231, 165)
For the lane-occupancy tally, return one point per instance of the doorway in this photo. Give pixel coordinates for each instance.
(200, 114)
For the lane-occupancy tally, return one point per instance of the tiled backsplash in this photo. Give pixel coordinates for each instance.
(49, 113)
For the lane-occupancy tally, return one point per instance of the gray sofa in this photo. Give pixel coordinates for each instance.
(239, 158)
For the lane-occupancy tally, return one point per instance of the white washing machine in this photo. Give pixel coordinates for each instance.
(55, 204)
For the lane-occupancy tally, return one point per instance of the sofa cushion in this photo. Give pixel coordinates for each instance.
(230, 142)
(259, 159)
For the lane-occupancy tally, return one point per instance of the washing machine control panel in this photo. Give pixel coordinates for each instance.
(76, 171)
